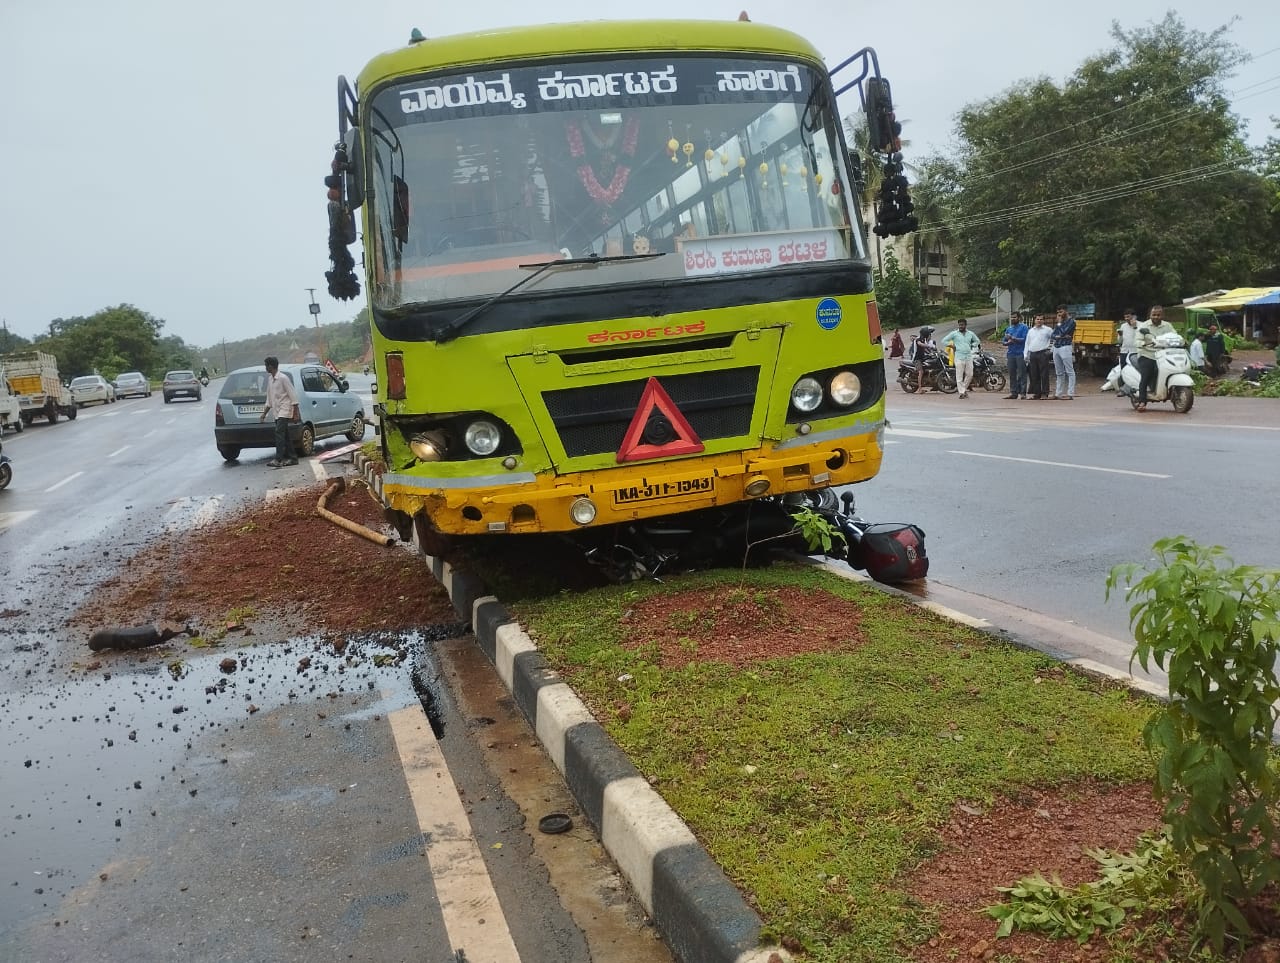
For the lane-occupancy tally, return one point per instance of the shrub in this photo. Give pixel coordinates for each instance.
(1214, 627)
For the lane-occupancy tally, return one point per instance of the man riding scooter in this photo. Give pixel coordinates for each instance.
(1162, 368)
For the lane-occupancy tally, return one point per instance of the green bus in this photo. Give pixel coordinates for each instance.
(616, 275)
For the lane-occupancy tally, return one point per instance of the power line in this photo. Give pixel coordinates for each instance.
(1085, 198)
(1144, 127)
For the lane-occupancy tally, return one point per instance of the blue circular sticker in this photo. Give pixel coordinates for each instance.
(828, 314)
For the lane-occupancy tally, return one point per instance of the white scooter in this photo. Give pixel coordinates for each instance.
(1173, 376)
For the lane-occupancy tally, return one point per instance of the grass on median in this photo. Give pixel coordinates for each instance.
(817, 780)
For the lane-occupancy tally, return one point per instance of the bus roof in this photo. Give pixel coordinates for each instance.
(550, 41)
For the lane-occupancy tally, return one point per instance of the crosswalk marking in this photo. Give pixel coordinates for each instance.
(921, 433)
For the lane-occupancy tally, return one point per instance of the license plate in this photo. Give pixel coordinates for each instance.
(667, 488)
(250, 409)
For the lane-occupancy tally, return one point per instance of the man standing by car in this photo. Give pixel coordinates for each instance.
(282, 405)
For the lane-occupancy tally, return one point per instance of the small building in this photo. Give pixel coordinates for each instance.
(1252, 313)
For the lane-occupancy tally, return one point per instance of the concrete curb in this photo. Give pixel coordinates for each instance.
(695, 907)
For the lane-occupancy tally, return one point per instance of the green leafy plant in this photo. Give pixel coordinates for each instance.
(817, 530)
(1214, 627)
(1128, 881)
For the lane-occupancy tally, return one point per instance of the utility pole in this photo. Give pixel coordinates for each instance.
(225, 367)
(315, 311)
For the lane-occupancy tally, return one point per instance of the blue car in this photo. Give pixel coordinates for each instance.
(325, 404)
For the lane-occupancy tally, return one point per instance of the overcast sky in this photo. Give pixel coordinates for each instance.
(173, 159)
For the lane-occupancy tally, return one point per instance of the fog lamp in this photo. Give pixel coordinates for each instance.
(582, 511)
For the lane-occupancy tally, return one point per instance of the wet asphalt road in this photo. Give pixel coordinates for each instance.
(1027, 505)
(262, 809)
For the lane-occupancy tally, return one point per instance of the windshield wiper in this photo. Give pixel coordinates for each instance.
(449, 330)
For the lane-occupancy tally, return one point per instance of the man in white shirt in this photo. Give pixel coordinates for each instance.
(1127, 335)
(282, 405)
(1197, 353)
(1039, 358)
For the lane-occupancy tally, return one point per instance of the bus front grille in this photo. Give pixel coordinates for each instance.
(593, 419)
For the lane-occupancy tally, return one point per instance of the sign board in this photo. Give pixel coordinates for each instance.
(333, 368)
(1081, 310)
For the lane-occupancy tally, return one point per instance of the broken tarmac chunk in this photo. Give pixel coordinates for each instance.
(133, 637)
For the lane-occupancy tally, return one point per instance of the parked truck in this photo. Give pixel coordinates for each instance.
(33, 377)
(1095, 347)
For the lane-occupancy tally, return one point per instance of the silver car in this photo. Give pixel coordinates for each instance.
(133, 383)
(90, 388)
(325, 405)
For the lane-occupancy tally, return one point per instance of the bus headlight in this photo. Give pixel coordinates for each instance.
(806, 395)
(428, 446)
(482, 438)
(845, 388)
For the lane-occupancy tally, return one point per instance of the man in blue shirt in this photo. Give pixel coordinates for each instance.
(1015, 338)
(1064, 365)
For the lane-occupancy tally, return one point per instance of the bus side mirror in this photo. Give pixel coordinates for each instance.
(353, 175)
(883, 127)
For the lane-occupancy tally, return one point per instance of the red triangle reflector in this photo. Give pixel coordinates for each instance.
(656, 402)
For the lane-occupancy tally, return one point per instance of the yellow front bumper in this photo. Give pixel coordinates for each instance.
(542, 503)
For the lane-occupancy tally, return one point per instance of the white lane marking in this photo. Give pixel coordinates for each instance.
(151, 432)
(1059, 464)
(9, 519)
(922, 433)
(317, 469)
(65, 481)
(472, 914)
(119, 451)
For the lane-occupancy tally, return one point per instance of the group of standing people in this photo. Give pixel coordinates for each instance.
(1033, 350)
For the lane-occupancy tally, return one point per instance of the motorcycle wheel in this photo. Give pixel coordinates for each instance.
(6, 475)
(947, 381)
(909, 385)
(1182, 398)
(996, 381)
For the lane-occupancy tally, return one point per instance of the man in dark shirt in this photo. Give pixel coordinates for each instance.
(1215, 348)
(1064, 365)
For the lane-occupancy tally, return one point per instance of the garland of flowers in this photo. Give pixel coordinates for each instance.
(621, 172)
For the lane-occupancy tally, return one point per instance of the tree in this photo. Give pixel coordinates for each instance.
(932, 194)
(898, 294)
(1129, 184)
(122, 338)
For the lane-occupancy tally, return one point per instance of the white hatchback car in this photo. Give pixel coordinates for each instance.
(90, 388)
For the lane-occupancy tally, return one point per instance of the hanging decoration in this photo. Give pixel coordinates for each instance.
(606, 196)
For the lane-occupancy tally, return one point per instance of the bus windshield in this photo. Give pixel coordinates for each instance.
(728, 166)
